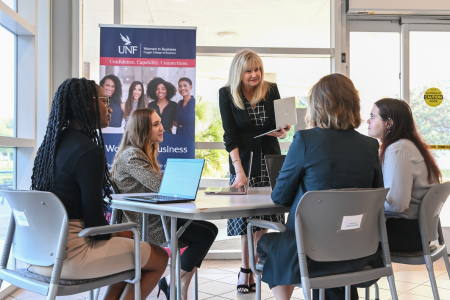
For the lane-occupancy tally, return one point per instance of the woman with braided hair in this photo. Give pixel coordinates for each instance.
(71, 163)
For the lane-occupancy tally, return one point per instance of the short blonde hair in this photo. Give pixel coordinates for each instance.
(242, 61)
(333, 103)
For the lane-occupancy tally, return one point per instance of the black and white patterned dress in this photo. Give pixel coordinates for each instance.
(238, 226)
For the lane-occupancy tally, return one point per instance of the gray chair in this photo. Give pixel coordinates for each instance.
(319, 235)
(38, 231)
(116, 217)
(430, 230)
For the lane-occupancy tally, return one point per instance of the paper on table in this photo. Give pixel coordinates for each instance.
(351, 222)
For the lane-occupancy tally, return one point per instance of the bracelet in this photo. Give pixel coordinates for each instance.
(235, 161)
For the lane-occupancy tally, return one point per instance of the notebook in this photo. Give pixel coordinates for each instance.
(179, 184)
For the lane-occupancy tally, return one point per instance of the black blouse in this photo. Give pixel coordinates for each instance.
(79, 172)
(168, 115)
(240, 130)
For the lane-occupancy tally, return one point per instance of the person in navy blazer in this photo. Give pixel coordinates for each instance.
(185, 115)
(330, 155)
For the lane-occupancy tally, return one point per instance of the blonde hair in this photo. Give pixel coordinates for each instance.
(137, 134)
(242, 61)
(333, 103)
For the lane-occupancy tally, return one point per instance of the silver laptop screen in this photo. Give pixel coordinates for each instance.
(181, 178)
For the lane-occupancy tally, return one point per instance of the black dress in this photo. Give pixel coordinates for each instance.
(240, 132)
(168, 115)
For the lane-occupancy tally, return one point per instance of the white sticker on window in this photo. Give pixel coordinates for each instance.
(21, 218)
(351, 222)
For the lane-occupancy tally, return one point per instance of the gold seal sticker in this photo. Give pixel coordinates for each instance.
(433, 97)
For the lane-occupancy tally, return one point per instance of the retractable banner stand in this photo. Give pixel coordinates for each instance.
(148, 66)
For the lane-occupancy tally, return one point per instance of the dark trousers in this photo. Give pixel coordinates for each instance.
(403, 235)
(200, 235)
(263, 249)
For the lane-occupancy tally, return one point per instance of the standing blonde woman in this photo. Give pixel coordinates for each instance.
(136, 170)
(247, 110)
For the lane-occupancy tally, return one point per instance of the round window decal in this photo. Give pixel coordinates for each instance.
(433, 97)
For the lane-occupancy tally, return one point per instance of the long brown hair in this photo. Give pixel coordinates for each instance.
(137, 134)
(130, 100)
(404, 127)
(333, 103)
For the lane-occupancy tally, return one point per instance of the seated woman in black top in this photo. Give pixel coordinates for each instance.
(161, 92)
(330, 155)
(71, 163)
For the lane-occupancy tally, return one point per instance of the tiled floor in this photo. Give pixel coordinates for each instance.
(217, 280)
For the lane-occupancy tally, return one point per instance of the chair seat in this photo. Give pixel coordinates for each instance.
(64, 282)
(436, 253)
(413, 254)
(24, 279)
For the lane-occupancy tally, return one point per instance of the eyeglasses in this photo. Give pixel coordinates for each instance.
(108, 100)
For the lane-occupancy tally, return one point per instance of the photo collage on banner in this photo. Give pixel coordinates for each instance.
(154, 67)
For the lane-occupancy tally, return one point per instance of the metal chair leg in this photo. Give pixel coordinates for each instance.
(367, 293)
(258, 287)
(322, 294)
(348, 292)
(429, 264)
(96, 294)
(306, 287)
(178, 275)
(377, 291)
(447, 264)
(196, 285)
(391, 285)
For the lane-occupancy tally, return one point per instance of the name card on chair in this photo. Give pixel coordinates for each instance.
(351, 222)
(21, 218)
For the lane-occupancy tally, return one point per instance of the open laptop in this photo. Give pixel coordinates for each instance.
(274, 163)
(285, 114)
(230, 190)
(179, 184)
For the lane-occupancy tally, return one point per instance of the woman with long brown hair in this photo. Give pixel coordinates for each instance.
(409, 170)
(136, 170)
(134, 101)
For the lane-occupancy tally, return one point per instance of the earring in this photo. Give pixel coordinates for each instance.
(388, 129)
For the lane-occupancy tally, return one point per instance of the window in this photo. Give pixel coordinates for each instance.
(7, 82)
(375, 68)
(429, 68)
(95, 12)
(11, 3)
(294, 77)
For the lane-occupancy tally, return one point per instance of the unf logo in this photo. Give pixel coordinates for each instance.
(127, 49)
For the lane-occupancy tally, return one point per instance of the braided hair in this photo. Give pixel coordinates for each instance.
(75, 99)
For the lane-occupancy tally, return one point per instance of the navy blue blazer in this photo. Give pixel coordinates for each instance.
(239, 130)
(319, 159)
(185, 117)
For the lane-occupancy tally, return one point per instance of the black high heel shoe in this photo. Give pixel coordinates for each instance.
(244, 286)
(164, 287)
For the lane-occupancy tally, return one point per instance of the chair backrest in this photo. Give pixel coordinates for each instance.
(430, 208)
(40, 223)
(336, 225)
